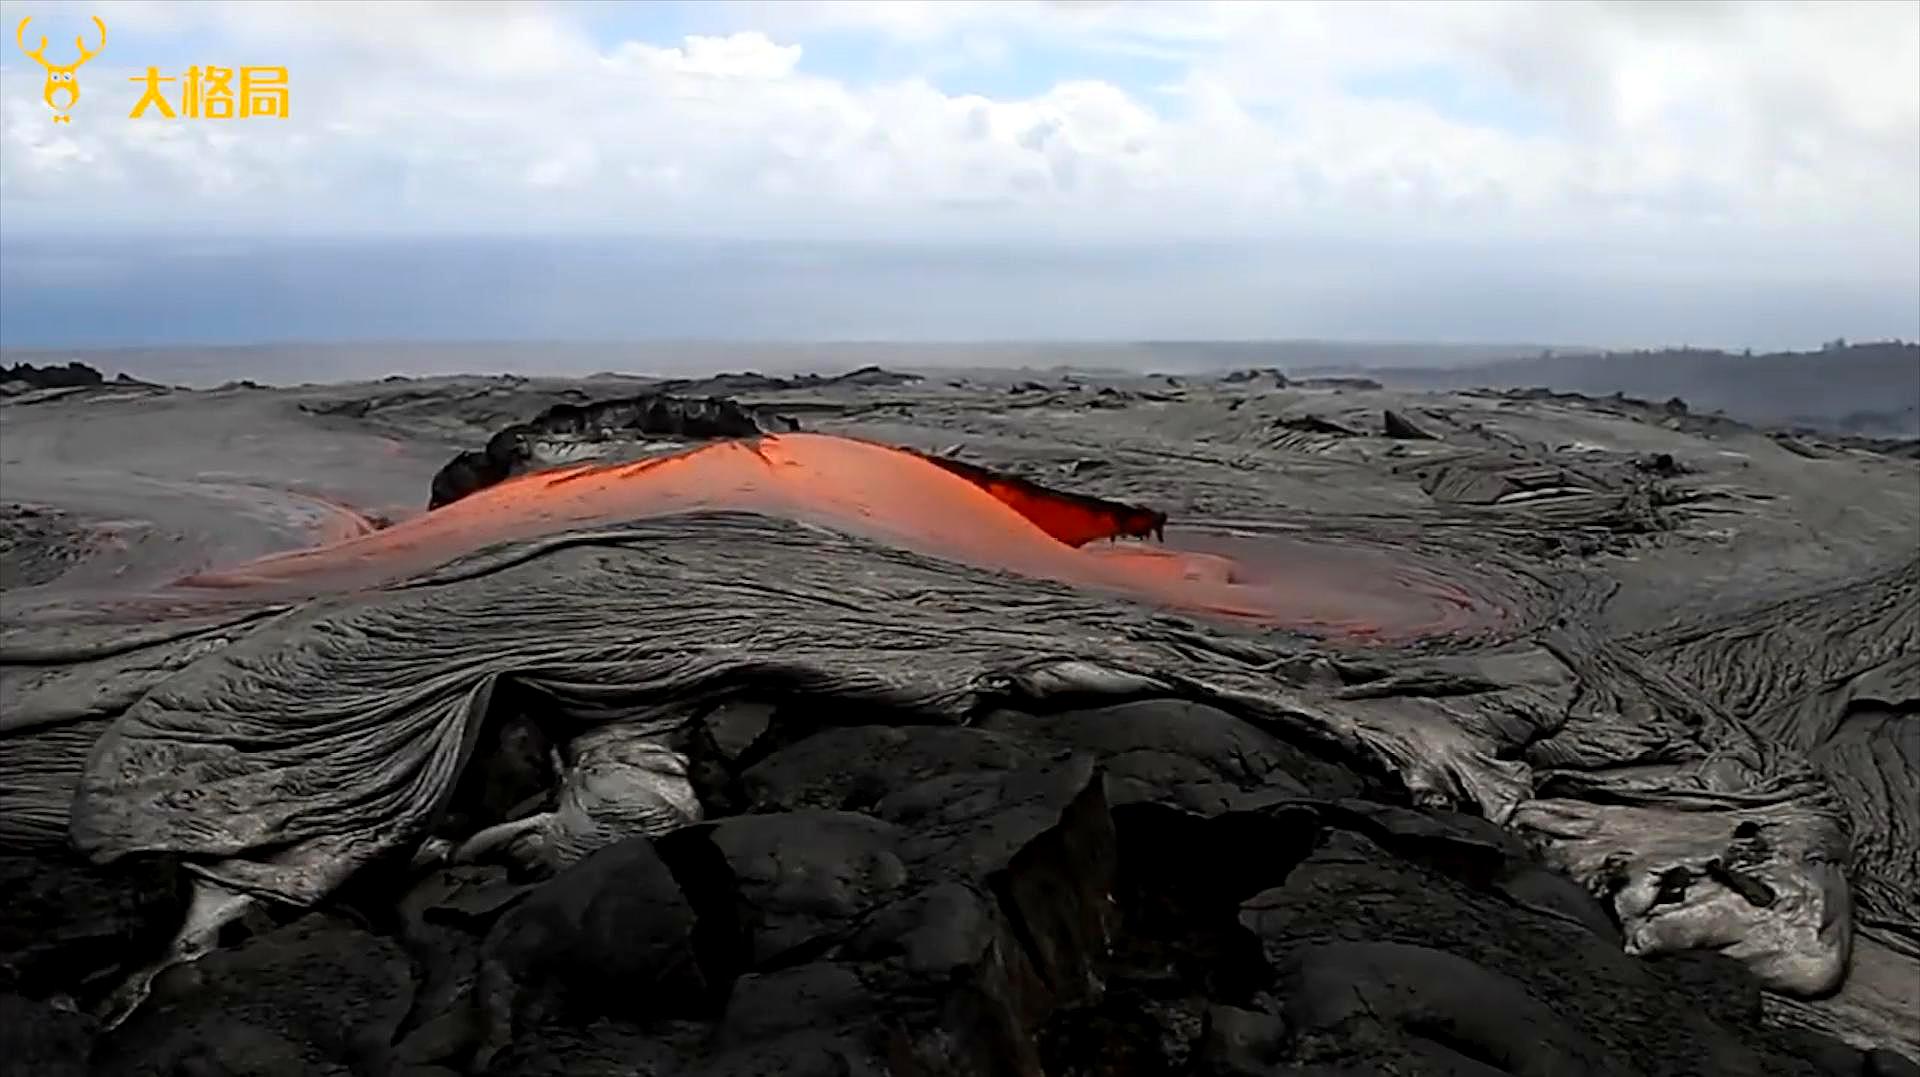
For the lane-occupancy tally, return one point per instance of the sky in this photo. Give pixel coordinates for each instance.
(1632, 173)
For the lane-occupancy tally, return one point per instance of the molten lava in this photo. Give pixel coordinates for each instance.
(1074, 519)
(938, 507)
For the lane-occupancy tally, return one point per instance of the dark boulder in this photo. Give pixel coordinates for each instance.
(515, 449)
(71, 927)
(1018, 929)
(854, 767)
(467, 473)
(613, 933)
(1178, 949)
(815, 996)
(939, 936)
(804, 879)
(1042, 841)
(1458, 975)
(507, 453)
(1439, 1012)
(1241, 1043)
(42, 1038)
(318, 996)
(958, 982)
(611, 938)
(655, 415)
(554, 1046)
(935, 939)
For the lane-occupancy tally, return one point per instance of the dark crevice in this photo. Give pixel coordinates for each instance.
(720, 941)
(1178, 944)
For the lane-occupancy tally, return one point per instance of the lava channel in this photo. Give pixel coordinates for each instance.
(948, 510)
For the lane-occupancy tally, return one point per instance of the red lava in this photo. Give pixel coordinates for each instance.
(907, 500)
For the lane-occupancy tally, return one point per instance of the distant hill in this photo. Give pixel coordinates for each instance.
(1869, 389)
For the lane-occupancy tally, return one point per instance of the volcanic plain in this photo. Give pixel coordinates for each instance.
(955, 724)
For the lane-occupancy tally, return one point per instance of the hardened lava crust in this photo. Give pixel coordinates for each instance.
(931, 724)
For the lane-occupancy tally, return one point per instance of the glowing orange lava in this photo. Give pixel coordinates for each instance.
(876, 491)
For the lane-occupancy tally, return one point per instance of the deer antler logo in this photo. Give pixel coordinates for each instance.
(60, 80)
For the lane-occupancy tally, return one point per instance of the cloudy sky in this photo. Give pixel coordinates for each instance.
(1762, 157)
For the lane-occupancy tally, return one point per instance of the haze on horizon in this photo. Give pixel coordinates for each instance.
(1612, 174)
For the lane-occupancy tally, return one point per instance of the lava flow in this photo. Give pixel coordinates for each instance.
(954, 511)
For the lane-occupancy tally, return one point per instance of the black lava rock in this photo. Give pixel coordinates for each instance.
(70, 927)
(319, 995)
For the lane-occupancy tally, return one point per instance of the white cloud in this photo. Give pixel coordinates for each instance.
(748, 55)
(1770, 129)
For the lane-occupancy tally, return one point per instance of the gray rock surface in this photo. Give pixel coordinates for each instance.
(1584, 742)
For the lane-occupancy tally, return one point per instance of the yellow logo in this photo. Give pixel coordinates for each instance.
(207, 93)
(60, 80)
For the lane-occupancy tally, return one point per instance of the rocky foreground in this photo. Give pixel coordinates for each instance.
(1581, 738)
